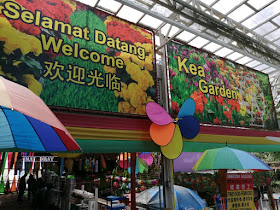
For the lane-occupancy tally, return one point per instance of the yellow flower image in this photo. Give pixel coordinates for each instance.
(239, 97)
(71, 3)
(138, 66)
(242, 110)
(110, 69)
(9, 75)
(123, 107)
(123, 93)
(145, 80)
(15, 39)
(137, 95)
(141, 110)
(249, 99)
(33, 84)
(1, 72)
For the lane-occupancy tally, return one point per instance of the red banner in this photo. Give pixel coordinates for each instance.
(236, 181)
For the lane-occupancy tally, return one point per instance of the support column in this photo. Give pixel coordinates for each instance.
(168, 185)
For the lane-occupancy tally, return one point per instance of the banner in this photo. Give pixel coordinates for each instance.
(74, 56)
(240, 191)
(224, 92)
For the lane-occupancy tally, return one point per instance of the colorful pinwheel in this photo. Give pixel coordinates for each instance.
(168, 133)
(143, 160)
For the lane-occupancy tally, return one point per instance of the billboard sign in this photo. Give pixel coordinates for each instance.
(74, 56)
(225, 93)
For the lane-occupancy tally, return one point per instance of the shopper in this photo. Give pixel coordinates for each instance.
(39, 202)
(21, 187)
(31, 185)
(51, 197)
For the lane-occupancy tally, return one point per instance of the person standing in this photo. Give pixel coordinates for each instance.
(21, 187)
(31, 185)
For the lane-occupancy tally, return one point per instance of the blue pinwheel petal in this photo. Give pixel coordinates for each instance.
(187, 108)
(189, 126)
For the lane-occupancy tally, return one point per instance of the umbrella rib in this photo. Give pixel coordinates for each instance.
(9, 127)
(35, 132)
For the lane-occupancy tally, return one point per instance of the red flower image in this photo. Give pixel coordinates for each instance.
(228, 114)
(220, 100)
(258, 113)
(200, 100)
(125, 33)
(175, 108)
(234, 104)
(56, 10)
(217, 121)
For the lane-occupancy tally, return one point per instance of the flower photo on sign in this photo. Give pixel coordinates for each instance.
(225, 93)
(74, 56)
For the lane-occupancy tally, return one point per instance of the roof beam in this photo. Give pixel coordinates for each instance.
(242, 50)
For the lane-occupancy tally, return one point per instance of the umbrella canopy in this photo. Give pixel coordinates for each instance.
(184, 198)
(27, 124)
(229, 158)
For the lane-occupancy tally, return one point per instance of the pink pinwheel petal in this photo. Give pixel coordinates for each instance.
(157, 114)
(147, 158)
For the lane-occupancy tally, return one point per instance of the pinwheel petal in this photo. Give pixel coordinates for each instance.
(157, 114)
(147, 157)
(189, 126)
(162, 134)
(175, 147)
(143, 166)
(188, 108)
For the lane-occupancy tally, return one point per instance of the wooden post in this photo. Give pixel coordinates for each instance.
(223, 182)
(133, 184)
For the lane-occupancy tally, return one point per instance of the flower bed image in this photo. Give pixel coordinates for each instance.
(224, 92)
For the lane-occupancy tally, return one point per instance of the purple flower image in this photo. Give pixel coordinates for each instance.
(212, 65)
(195, 84)
(172, 73)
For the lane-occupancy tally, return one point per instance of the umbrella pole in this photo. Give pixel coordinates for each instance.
(133, 184)
(223, 181)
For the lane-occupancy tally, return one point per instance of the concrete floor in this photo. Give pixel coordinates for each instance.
(9, 202)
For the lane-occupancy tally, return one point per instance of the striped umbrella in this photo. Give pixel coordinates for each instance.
(27, 124)
(229, 158)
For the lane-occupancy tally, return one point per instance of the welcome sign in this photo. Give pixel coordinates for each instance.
(76, 57)
(224, 92)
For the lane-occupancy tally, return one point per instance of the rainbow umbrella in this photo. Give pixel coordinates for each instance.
(229, 158)
(27, 124)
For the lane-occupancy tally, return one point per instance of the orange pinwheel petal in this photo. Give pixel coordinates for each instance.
(162, 134)
(175, 147)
